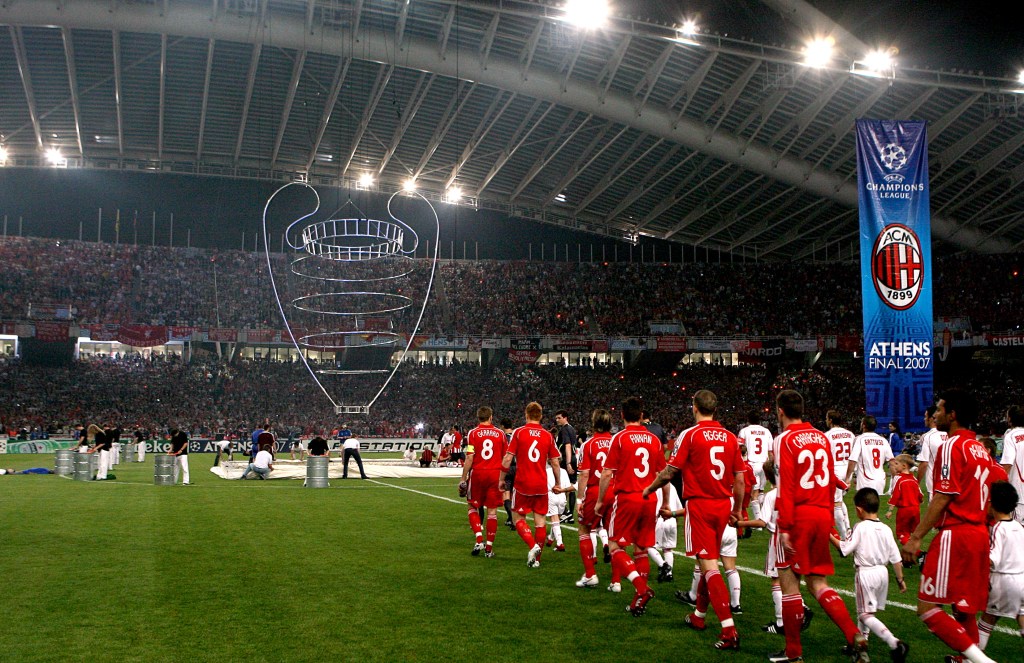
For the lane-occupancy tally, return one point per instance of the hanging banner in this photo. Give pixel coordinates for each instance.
(142, 336)
(182, 333)
(523, 356)
(755, 352)
(52, 331)
(223, 334)
(896, 278)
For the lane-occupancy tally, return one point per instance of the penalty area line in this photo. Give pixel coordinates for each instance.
(744, 569)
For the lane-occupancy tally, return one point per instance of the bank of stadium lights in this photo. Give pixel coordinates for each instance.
(453, 194)
(55, 158)
(587, 14)
(365, 181)
(409, 185)
(3, 155)
(1020, 78)
(818, 53)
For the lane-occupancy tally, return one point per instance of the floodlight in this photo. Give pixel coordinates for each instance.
(818, 53)
(878, 61)
(365, 181)
(3, 154)
(587, 14)
(54, 156)
(454, 194)
(689, 28)
(409, 185)
(1020, 77)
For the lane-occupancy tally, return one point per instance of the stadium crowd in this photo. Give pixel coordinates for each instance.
(209, 395)
(105, 283)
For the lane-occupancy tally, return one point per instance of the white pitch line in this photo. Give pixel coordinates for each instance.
(745, 569)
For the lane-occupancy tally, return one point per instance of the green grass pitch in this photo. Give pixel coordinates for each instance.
(363, 571)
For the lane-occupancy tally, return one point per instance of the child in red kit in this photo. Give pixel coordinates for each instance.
(906, 497)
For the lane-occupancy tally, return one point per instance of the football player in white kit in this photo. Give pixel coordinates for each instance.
(871, 454)
(666, 530)
(931, 442)
(1013, 456)
(1006, 553)
(556, 505)
(840, 440)
(758, 440)
(873, 546)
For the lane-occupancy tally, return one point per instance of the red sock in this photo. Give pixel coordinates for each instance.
(969, 622)
(836, 610)
(792, 618)
(539, 535)
(492, 529)
(587, 553)
(719, 595)
(524, 533)
(623, 565)
(947, 629)
(703, 598)
(474, 522)
(643, 564)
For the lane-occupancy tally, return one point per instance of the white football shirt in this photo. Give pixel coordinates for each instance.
(759, 442)
(1013, 455)
(872, 544)
(1007, 551)
(871, 452)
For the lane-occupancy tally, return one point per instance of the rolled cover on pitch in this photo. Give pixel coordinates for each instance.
(896, 275)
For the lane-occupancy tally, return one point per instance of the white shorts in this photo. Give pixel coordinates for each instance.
(728, 548)
(872, 585)
(1006, 595)
(759, 479)
(769, 560)
(666, 533)
(840, 471)
(556, 504)
(877, 484)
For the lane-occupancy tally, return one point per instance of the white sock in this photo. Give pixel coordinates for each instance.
(556, 529)
(732, 578)
(656, 559)
(670, 557)
(879, 629)
(603, 533)
(984, 633)
(696, 581)
(755, 507)
(842, 518)
(593, 539)
(777, 600)
(975, 655)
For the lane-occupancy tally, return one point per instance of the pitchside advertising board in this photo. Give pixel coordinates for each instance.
(896, 278)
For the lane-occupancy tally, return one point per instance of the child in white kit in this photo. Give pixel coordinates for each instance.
(1006, 577)
(873, 545)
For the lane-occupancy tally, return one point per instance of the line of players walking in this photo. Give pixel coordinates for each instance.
(631, 497)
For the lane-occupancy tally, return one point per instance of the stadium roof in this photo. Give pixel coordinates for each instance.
(624, 130)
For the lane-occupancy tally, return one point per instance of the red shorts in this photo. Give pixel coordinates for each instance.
(631, 520)
(809, 538)
(907, 520)
(484, 489)
(587, 515)
(955, 570)
(705, 522)
(524, 504)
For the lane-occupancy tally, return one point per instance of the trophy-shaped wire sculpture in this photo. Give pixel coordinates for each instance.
(352, 281)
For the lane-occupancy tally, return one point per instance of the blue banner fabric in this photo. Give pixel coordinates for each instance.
(896, 275)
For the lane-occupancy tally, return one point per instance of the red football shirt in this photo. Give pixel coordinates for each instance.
(806, 472)
(533, 447)
(636, 456)
(709, 457)
(963, 469)
(487, 445)
(595, 452)
(906, 492)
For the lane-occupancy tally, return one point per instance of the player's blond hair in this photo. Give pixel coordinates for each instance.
(534, 412)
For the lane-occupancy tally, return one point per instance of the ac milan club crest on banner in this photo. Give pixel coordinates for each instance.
(896, 280)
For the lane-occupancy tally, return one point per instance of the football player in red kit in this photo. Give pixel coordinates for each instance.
(708, 456)
(485, 449)
(634, 458)
(532, 447)
(804, 502)
(956, 568)
(594, 453)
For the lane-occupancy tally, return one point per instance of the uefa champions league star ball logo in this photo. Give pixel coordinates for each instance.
(897, 268)
(893, 156)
